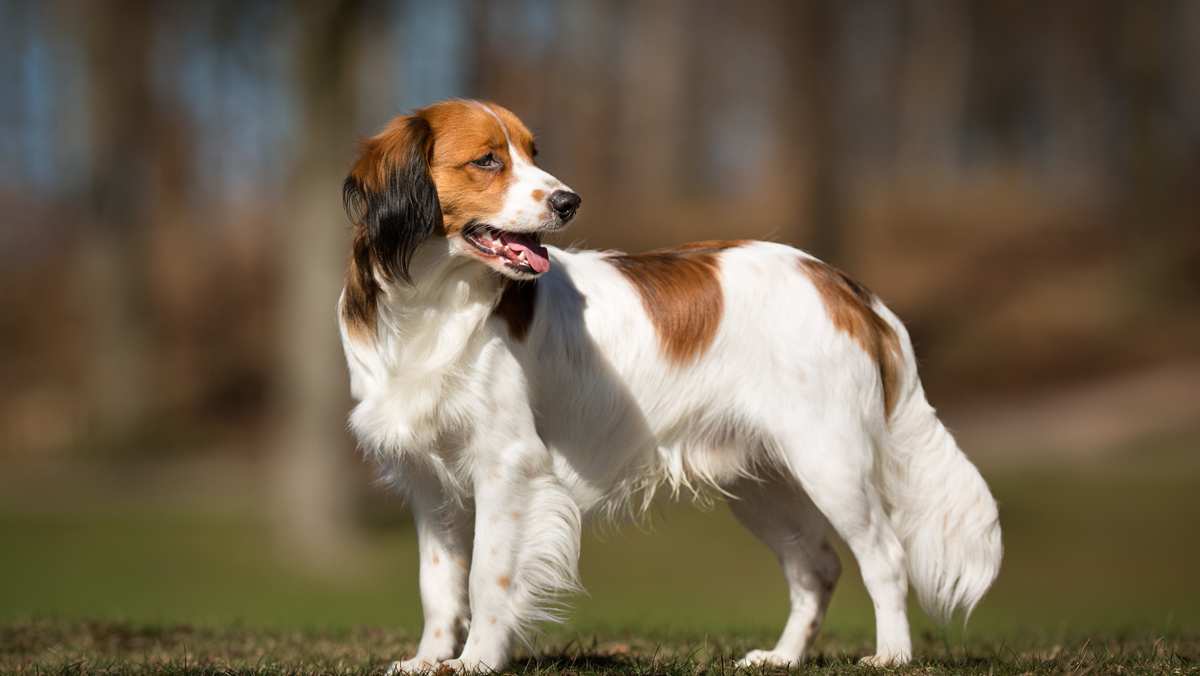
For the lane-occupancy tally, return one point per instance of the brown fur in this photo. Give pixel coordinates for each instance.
(522, 138)
(465, 132)
(516, 307)
(849, 305)
(712, 244)
(681, 291)
(359, 306)
(462, 131)
(381, 155)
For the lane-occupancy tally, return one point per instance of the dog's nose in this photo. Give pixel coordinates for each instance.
(564, 203)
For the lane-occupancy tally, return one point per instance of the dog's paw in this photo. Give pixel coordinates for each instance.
(885, 660)
(465, 665)
(416, 665)
(767, 658)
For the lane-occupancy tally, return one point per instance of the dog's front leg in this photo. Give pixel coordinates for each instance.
(526, 549)
(444, 537)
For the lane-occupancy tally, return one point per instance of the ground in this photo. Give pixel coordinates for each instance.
(1099, 576)
(120, 648)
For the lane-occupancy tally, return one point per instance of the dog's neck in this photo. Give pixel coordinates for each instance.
(428, 333)
(425, 326)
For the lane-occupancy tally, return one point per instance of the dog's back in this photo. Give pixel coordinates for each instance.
(781, 362)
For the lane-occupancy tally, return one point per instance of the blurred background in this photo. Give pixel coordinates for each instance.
(1018, 180)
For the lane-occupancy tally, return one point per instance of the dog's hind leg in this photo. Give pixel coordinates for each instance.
(778, 512)
(832, 456)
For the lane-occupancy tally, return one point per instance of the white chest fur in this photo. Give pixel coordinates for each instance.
(417, 380)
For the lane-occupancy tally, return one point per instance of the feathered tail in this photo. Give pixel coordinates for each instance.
(940, 506)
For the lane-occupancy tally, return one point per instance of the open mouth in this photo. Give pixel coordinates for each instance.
(520, 251)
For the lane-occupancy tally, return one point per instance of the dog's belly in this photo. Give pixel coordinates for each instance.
(607, 449)
(595, 460)
(618, 408)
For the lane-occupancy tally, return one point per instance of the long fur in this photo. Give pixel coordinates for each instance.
(940, 505)
(522, 421)
(401, 211)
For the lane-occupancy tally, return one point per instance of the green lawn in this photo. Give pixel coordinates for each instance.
(1100, 563)
(122, 648)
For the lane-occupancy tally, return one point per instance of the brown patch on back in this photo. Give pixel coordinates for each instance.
(849, 305)
(505, 581)
(713, 244)
(681, 291)
(516, 307)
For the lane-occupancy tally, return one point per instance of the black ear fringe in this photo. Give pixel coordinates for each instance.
(406, 212)
(358, 303)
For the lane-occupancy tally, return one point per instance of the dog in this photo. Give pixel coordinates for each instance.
(508, 389)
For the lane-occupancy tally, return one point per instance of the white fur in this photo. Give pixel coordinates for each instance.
(519, 210)
(783, 413)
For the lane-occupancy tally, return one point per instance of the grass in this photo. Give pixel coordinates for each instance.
(1099, 576)
(122, 648)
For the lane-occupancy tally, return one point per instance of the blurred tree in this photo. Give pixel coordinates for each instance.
(312, 469)
(508, 47)
(1073, 91)
(933, 88)
(653, 116)
(581, 121)
(1142, 72)
(113, 275)
(808, 149)
(926, 144)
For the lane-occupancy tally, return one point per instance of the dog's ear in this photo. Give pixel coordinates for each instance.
(390, 194)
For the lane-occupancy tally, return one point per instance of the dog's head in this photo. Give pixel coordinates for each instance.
(459, 170)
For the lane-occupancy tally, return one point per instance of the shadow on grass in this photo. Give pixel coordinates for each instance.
(576, 663)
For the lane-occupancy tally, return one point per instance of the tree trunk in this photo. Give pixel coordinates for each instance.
(808, 152)
(934, 87)
(313, 466)
(653, 118)
(113, 273)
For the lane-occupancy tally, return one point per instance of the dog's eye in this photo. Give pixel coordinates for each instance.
(488, 161)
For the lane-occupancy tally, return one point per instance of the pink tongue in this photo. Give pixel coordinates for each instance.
(535, 254)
